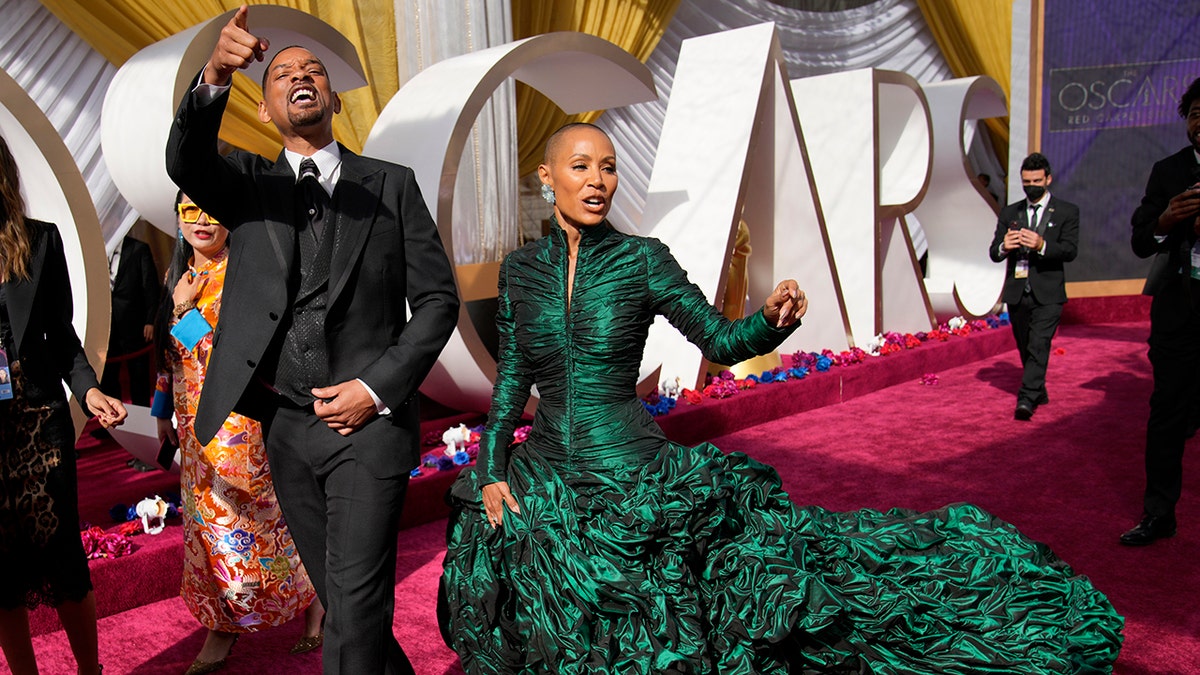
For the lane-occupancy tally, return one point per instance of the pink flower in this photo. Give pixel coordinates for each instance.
(98, 544)
(520, 434)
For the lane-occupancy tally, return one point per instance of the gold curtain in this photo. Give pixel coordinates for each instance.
(119, 28)
(975, 36)
(633, 25)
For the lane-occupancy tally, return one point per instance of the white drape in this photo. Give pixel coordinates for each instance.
(485, 197)
(68, 80)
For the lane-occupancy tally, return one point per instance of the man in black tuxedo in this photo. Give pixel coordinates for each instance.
(1165, 225)
(135, 294)
(313, 339)
(1035, 236)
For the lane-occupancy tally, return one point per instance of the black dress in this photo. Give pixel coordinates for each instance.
(42, 561)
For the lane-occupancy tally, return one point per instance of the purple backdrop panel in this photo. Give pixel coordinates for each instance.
(1112, 74)
(1125, 95)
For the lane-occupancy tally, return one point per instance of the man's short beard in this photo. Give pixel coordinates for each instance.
(306, 118)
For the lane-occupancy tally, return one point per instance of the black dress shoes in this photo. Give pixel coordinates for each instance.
(1024, 411)
(1042, 400)
(1150, 529)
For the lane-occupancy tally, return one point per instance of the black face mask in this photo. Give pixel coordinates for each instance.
(1034, 192)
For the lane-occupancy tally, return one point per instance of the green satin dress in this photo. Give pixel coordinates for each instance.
(632, 554)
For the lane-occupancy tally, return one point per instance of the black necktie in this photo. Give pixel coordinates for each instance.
(1033, 225)
(314, 196)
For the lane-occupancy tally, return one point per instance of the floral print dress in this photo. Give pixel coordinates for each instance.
(241, 568)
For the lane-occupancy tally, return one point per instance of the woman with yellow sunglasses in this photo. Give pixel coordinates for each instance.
(241, 569)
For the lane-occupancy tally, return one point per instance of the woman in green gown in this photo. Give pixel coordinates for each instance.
(598, 546)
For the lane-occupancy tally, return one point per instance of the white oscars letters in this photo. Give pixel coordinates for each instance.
(962, 279)
(426, 125)
(824, 171)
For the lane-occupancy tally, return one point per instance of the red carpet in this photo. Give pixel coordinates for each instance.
(1071, 477)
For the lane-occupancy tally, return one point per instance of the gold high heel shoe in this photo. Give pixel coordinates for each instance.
(199, 667)
(308, 643)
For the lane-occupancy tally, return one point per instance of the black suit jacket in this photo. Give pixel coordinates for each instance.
(387, 251)
(135, 295)
(1168, 178)
(40, 309)
(1061, 232)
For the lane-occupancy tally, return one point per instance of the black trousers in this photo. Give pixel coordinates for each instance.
(344, 522)
(1033, 327)
(1175, 360)
(139, 378)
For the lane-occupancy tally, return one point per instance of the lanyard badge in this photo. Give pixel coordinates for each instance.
(6, 387)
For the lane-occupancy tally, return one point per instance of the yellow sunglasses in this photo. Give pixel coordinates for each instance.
(190, 213)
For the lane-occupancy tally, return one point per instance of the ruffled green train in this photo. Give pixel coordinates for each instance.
(698, 562)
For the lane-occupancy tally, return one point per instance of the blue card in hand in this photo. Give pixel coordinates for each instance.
(191, 329)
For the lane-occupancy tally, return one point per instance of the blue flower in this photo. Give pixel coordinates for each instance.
(823, 363)
(119, 513)
(657, 405)
(461, 458)
(415, 472)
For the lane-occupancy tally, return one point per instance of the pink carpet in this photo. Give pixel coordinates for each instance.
(1071, 477)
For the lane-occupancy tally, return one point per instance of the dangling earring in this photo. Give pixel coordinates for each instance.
(179, 233)
(548, 194)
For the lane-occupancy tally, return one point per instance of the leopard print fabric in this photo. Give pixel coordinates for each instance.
(27, 456)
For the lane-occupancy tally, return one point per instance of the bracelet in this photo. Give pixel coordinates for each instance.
(182, 308)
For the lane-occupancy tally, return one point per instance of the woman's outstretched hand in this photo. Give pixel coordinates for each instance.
(495, 497)
(786, 305)
(109, 411)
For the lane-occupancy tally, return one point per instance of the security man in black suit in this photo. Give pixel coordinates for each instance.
(1165, 225)
(1035, 236)
(313, 340)
(136, 290)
